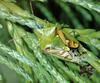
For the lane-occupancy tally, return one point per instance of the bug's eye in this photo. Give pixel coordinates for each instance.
(47, 48)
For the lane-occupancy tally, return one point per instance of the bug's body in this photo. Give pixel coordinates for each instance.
(54, 41)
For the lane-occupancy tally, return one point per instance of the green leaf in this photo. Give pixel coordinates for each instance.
(89, 4)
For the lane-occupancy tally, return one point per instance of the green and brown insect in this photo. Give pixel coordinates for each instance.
(54, 41)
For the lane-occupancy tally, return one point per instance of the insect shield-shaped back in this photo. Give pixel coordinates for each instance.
(45, 36)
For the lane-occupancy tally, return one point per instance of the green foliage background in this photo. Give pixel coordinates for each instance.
(21, 59)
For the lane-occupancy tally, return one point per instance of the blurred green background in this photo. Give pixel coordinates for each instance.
(74, 14)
